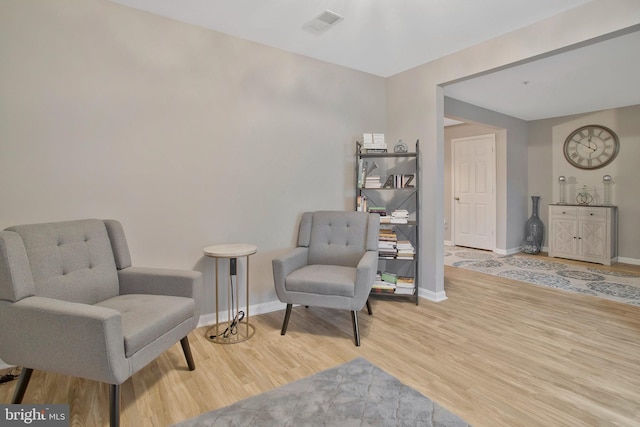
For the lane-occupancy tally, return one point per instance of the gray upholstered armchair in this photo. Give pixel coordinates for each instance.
(334, 265)
(71, 303)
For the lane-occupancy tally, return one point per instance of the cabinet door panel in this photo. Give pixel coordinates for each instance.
(593, 242)
(564, 237)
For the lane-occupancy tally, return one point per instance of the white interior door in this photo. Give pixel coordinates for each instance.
(474, 196)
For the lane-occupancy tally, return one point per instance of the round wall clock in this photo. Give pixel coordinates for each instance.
(591, 147)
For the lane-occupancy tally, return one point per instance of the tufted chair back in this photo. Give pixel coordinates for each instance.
(337, 238)
(70, 261)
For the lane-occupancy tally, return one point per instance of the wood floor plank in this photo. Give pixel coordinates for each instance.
(497, 352)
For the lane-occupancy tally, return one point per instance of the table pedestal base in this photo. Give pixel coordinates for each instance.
(221, 334)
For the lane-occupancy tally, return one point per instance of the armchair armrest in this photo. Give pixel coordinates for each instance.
(160, 281)
(284, 265)
(78, 339)
(366, 275)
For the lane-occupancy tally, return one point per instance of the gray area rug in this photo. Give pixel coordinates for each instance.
(356, 393)
(589, 280)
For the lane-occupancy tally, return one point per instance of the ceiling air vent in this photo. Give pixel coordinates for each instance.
(323, 22)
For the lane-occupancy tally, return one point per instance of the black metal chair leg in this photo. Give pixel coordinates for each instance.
(356, 332)
(21, 387)
(114, 405)
(369, 308)
(186, 348)
(287, 314)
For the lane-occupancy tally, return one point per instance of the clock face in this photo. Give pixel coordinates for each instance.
(591, 147)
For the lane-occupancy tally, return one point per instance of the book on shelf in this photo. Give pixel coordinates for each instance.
(389, 277)
(361, 203)
(405, 282)
(380, 210)
(399, 216)
(382, 290)
(388, 235)
(372, 181)
(380, 285)
(405, 291)
(405, 244)
(405, 249)
(373, 143)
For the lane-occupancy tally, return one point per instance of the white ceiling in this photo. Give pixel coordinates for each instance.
(595, 77)
(385, 37)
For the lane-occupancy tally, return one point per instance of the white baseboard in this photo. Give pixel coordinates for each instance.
(632, 261)
(5, 366)
(432, 296)
(262, 308)
(268, 307)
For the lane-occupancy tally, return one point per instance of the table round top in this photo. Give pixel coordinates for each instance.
(230, 250)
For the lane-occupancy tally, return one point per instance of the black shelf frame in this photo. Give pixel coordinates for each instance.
(412, 193)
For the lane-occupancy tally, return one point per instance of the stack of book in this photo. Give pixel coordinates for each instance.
(387, 244)
(385, 283)
(399, 216)
(372, 181)
(405, 249)
(373, 143)
(380, 210)
(405, 286)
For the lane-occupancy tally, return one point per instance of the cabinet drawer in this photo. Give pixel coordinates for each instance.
(592, 213)
(564, 211)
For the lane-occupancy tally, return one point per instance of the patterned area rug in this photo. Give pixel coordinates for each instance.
(356, 393)
(589, 280)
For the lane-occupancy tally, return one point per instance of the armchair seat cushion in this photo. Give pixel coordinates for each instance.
(145, 318)
(323, 280)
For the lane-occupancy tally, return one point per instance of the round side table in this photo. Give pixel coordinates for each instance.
(236, 328)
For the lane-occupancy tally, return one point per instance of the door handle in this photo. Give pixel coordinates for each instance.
(456, 199)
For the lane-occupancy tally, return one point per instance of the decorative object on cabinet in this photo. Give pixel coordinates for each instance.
(562, 181)
(584, 233)
(591, 147)
(584, 197)
(534, 230)
(607, 180)
(396, 201)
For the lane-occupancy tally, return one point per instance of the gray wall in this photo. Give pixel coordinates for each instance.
(188, 136)
(511, 169)
(547, 163)
(192, 137)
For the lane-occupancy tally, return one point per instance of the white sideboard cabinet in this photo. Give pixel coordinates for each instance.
(584, 233)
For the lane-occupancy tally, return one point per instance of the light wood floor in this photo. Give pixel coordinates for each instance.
(497, 353)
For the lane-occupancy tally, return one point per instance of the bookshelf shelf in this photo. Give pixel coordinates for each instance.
(388, 183)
